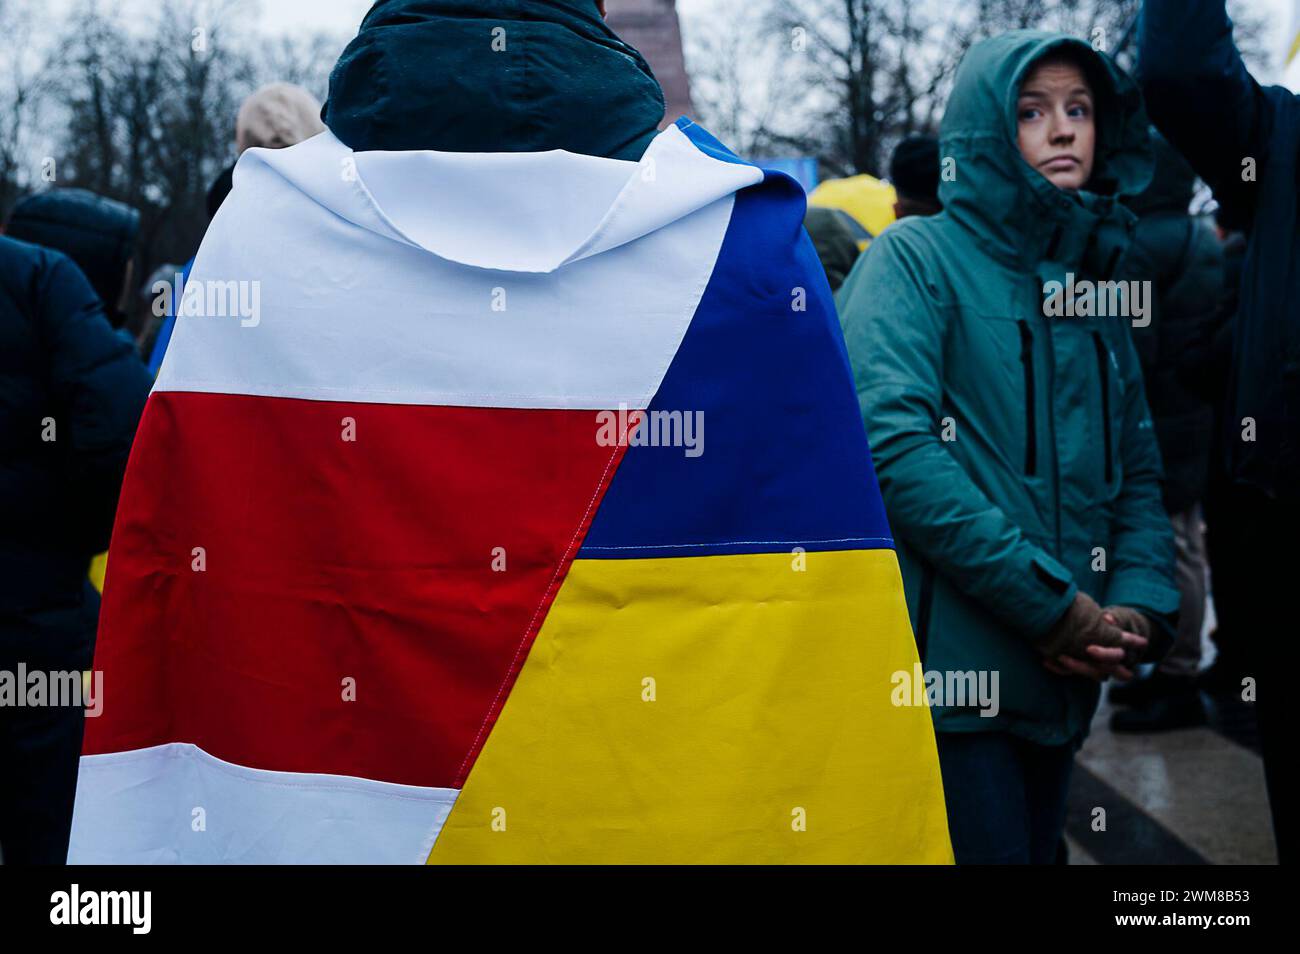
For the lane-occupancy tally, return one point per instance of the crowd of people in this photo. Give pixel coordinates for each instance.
(1067, 487)
(67, 258)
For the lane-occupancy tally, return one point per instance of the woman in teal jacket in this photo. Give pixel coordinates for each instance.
(1014, 448)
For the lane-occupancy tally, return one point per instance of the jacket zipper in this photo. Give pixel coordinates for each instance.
(923, 609)
(1103, 366)
(1031, 411)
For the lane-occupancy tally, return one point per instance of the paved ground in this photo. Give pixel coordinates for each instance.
(1194, 796)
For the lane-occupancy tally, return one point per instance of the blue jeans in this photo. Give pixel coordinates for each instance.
(1005, 797)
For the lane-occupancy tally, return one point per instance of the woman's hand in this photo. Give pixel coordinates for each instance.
(1102, 662)
(1131, 621)
(1083, 625)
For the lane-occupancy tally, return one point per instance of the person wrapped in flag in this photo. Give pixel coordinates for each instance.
(503, 497)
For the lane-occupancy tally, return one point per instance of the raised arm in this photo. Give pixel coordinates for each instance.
(1202, 98)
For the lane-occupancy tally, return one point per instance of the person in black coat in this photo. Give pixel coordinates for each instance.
(1243, 139)
(1207, 367)
(99, 234)
(71, 394)
(1180, 255)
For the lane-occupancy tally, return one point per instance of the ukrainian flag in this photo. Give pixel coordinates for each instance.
(712, 684)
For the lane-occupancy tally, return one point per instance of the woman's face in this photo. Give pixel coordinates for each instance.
(1056, 130)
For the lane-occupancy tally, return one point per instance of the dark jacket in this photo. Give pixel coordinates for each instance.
(1182, 259)
(1009, 445)
(97, 233)
(836, 245)
(61, 367)
(1205, 102)
(493, 76)
(1205, 366)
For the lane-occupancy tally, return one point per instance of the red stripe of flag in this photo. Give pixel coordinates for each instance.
(328, 560)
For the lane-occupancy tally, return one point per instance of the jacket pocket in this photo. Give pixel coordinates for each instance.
(1031, 409)
(1103, 369)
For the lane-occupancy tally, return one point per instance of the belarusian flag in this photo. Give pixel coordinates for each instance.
(507, 508)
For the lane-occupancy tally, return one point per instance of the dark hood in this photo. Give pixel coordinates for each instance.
(97, 233)
(1014, 209)
(424, 74)
(1172, 186)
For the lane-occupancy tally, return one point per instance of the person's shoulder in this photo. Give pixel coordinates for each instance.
(776, 197)
(894, 271)
(15, 253)
(914, 233)
(914, 245)
(1279, 129)
(44, 284)
(31, 276)
(1283, 100)
(24, 267)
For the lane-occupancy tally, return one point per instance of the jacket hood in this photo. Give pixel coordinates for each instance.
(492, 76)
(97, 233)
(510, 211)
(1017, 213)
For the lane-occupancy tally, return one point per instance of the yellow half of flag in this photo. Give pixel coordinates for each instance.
(683, 711)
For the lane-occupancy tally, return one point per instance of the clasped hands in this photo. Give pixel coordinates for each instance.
(1096, 642)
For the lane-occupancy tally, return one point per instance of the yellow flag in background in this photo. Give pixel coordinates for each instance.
(97, 567)
(1291, 52)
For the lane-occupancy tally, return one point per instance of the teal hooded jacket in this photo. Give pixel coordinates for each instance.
(1015, 451)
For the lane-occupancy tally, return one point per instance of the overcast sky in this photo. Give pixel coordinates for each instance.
(343, 16)
(346, 14)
